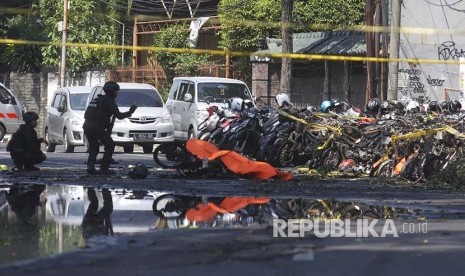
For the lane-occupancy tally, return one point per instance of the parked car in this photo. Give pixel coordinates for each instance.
(151, 122)
(65, 117)
(11, 112)
(190, 97)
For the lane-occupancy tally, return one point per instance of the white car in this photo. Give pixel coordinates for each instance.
(151, 122)
(11, 112)
(65, 117)
(190, 97)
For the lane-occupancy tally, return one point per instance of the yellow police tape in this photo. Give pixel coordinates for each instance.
(427, 132)
(230, 53)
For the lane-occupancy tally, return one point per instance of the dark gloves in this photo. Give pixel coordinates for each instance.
(132, 108)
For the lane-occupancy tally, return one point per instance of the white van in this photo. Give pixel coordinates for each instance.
(190, 97)
(11, 112)
(151, 122)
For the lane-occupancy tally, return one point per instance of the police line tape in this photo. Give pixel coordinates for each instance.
(230, 53)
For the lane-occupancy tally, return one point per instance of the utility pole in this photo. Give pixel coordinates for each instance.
(394, 50)
(377, 22)
(286, 63)
(370, 88)
(384, 49)
(63, 44)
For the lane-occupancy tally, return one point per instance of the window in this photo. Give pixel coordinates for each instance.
(139, 97)
(78, 101)
(57, 100)
(221, 92)
(5, 96)
(184, 88)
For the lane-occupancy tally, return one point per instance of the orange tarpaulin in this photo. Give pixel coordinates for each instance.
(229, 205)
(234, 161)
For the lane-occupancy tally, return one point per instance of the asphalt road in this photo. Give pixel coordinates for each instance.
(254, 251)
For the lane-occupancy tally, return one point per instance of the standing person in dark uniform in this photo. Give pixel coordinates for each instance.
(97, 221)
(24, 146)
(98, 124)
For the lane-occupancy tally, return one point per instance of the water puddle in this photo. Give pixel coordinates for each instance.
(38, 220)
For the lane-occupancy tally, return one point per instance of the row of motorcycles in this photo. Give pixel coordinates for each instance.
(391, 142)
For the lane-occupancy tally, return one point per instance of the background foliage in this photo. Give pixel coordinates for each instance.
(177, 64)
(87, 24)
(244, 21)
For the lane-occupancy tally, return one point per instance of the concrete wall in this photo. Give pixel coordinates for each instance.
(35, 90)
(433, 40)
(31, 90)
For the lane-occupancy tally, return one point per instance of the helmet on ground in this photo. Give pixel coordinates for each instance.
(236, 104)
(283, 99)
(455, 106)
(247, 104)
(412, 107)
(445, 105)
(433, 106)
(325, 105)
(139, 171)
(110, 87)
(30, 116)
(386, 107)
(373, 105)
(336, 105)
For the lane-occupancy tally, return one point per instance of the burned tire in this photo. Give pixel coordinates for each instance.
(170, 155)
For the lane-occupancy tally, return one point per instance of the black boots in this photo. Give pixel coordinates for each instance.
(105, 169)
(91, 168)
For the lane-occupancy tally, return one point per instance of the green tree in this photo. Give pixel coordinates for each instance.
(176, 64)
(23, 58)
(87, 24)
(244, 21)
(17, 21)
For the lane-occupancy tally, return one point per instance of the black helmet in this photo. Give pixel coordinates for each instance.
(455, 106)
(336, 105)
(30, 116)
(139, 172)
(445, 105)
(110, 86)
(433, 106)
(373, 105)
(386, 107)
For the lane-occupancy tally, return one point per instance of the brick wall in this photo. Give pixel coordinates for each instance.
(31, 90)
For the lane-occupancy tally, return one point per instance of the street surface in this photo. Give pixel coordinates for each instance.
(253, 249)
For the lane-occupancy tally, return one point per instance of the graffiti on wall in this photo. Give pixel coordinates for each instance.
(447, 51)
(413, 87)
(435, 82)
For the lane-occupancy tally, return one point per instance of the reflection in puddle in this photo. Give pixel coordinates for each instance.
(38, 220)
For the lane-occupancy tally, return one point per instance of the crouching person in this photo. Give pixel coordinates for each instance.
(24, 146)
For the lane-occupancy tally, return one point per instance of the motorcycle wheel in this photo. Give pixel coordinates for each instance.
(286, 155)
(163, 207)
(431, 166)
(332, 159)
(170, 155)
(385, 169)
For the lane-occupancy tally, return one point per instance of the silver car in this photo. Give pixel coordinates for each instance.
(151, 122)
(65, 117)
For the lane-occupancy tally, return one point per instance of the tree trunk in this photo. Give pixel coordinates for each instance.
(286, 65)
